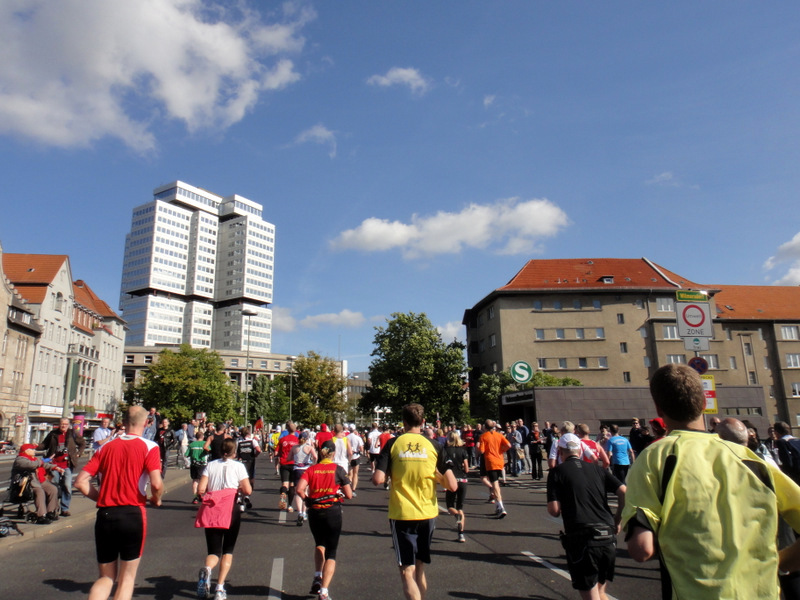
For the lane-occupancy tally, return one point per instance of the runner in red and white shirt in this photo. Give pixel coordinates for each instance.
(592, 451)
(286, 466)
(126, 464)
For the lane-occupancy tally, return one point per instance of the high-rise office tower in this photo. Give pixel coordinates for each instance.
(198, 270)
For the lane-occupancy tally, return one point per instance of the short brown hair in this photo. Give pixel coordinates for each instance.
(413, 415)
(583, 428)
(678, 391)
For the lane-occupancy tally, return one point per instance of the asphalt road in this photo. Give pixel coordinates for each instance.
(517, 557)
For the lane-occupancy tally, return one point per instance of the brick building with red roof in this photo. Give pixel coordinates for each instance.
(610, 323)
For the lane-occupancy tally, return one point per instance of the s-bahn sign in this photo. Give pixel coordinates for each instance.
(521, 372)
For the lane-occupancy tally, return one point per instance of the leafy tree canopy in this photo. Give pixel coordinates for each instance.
(413, 364)
(269, 398)
(183, 383)
(318, 390)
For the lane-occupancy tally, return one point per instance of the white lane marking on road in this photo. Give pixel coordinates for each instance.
(554, 568)
(282, 517)
(276, 580)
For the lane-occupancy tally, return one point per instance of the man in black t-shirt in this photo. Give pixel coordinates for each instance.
(576, 491)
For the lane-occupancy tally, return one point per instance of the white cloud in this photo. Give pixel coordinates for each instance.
(75, 71)
(510, 226)
(488, 100)
(400, 76)
(345, 318)
(319, 134)
(667, 178)
(282, 319)
(453, 330)
(788, 252)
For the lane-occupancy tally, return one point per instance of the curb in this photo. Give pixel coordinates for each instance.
(85, 512)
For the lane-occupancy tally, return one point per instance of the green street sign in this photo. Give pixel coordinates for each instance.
(690, 296)
(521, 372)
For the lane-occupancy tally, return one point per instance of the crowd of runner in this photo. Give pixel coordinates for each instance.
(665, 476)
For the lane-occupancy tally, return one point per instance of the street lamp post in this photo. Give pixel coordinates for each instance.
(291, 381)
(247, 313)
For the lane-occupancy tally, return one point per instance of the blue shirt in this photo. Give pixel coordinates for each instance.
(618, 447)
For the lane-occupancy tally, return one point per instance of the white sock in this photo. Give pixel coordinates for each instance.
(317, 573)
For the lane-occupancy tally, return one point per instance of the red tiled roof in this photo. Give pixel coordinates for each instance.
(33, 269)
(85, 296)
(586, 273)
(769, 302)
(33, 294)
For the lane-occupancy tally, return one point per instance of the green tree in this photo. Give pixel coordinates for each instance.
(269, 398)
(413, 364)
(183, 383)
(318, 390)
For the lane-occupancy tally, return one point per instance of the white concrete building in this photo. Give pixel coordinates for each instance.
(198, 270)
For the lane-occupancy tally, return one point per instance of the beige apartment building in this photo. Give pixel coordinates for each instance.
(19, 332)
(611, 322)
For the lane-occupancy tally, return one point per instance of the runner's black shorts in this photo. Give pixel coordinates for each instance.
(590, 565)
(495, 475)
(223, 541)
(119, 533)
(286, 473)
(412, 540)
(456, 499)
(196, 471)
(326, 526)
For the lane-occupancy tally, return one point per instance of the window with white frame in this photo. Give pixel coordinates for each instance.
(676, 359)
(665, 304)
(542, 362)
(490, 312)
(712, 360)
(537, 305)
(626, 376)
(748, 349)
(602, 362)
(620, 319)
(790, 332)
(670, 332)
(732, 362)
(793, 361)
(539, 334)
(600, 332)
(577, 304)
(562, 363)
(582, 363)
(796, 389)
(492, 340)
(623, 347)
(556, 304)
(597, 305)
(579, 333)
(559, 334)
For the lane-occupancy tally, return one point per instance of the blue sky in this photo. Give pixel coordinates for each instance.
(412, 155)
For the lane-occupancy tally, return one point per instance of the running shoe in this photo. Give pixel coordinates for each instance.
(221, 595)
(204, 583)
(300, 520)
(282, 502)
(324, 596)
(290, 509)
(461, 538)
(316, 586)
(247, 503)
(501, 514)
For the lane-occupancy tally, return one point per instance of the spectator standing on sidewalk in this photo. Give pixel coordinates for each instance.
(64, 448)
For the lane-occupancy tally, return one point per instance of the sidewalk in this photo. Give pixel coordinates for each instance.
(82, 510)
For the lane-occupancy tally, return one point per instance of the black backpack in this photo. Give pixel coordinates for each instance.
(789, 453)
(21, 490)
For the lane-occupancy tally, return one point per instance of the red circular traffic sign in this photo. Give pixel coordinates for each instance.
(699, 364)
(694, 316)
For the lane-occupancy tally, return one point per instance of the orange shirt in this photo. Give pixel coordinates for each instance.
(493, 444)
